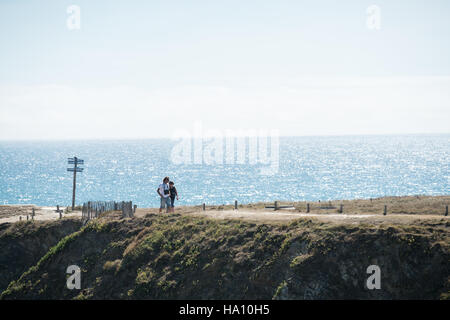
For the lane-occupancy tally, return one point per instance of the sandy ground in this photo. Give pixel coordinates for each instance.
(341, 218)
(264, 215)
(401, 210)
(13, 213)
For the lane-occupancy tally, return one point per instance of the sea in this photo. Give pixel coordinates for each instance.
(301, 169)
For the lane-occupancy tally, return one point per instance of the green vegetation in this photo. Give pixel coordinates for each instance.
(186, 257)
(24, 244)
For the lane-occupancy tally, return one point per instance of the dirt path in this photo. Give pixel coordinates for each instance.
(14, 213)
(262, 215)
(267, 216)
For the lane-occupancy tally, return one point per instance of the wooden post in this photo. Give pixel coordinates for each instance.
(446, 210)
(59, 211)
(75, 161)
(307, 208)
(134, 208)
(27, 217)
(341, 208)
(385, 210)
(235, 205)
(276, 205)
(130, 209)
(74, 183)
(204, 206)
(20, 218)
(32, 212)
(127, 209)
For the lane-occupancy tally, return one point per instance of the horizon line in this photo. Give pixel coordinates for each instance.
(233, 136)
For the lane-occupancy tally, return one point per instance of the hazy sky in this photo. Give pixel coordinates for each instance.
(138, 69)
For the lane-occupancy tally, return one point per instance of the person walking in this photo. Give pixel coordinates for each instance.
(164, 192)
(173, 194)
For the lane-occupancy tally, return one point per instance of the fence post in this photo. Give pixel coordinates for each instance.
(58, 211)
(134, 208)
(127, 209)
(307, 208)
(446, 210)
(275, 205)
(385, 210)
(204, 206)
(32, 212)
(341, 208)
(235, 205)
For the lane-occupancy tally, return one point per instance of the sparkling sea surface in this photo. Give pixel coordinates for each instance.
(310, 168)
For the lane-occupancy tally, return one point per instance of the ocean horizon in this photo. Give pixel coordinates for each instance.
(308, 168)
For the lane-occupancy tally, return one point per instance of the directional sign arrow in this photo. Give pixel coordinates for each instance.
(73, 161)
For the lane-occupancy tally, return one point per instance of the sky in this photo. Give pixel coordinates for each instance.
(144, 69)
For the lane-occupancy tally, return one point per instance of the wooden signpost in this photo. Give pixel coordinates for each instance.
(75, 161)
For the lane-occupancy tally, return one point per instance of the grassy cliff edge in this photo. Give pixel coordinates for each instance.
(188, 257)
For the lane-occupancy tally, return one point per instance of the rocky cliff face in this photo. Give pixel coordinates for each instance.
(22, 244)
(179, 257)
